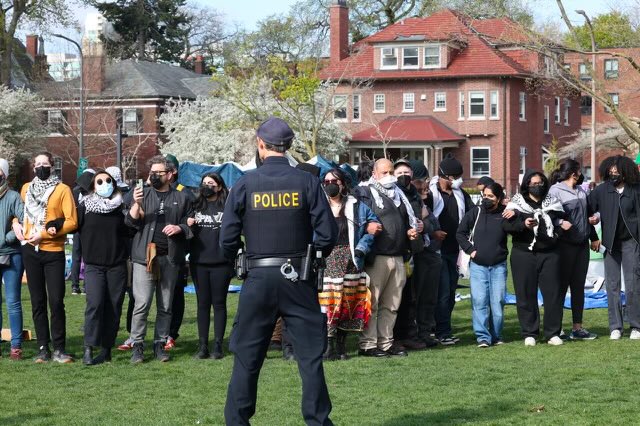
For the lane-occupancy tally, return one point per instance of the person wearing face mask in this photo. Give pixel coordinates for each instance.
(385, 263)
(11, 207)
(574, 243)
(46, 199)
(535, 258)
(79, 191)
(482, 236)
(103, 235)
(344, 294)
(159, 214)
(449, 203)
(617, 201)
(212, 272)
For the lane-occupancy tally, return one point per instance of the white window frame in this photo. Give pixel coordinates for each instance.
(375, 103)
(394, 51)
(417, 56)
(609, 74)
(484, 105)
(556, 116)
(443, 98)
(409, 98)
(126, 113)
(57, 166)
(461, 106)
(356, 105)
(546, 119)
(425, 56)
(567, 105)
(492, 94)
(471, 161)
(55, 116)
(340, 104)
(615, 97)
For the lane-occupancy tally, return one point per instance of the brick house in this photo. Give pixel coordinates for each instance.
(129, 95)
(428, 86)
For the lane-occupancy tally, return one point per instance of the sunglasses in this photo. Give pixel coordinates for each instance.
(158, 172)
(330, 181)
(100, 181)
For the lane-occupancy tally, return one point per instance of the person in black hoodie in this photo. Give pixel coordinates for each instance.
(535, 258)
(103, 236)
(617, 201)
(482, 237)
(79, 191)
(212, 272)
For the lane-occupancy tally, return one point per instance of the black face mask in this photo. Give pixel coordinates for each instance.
(404, 180)
(332, 190)
(207, 191)
(156, 181)
(536, 190)
(43, 172)
(487, 204)
(615, 179)
(580, 180)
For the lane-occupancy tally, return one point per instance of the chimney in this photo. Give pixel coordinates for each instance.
(198, 65)
(32, 46)
(93, 65)
(40, 70)
(339, 27)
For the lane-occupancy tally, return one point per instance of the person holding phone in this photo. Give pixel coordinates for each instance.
(535, 258)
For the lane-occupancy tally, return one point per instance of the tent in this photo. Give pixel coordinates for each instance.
(190, 174)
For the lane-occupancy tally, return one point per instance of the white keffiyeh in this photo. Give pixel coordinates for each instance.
(97, 204)
(36, 201)
(550, 203)
(438, 202)
(397, 196)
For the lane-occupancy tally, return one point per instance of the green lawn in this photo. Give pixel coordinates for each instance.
(578, 383)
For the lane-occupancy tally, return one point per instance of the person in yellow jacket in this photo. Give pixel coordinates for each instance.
(48, 203)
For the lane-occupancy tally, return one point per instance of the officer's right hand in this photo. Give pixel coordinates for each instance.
(138, 195)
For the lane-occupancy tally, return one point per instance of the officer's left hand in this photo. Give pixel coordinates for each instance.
(170, 230)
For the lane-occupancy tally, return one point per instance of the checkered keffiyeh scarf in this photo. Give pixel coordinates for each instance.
(550, 203)
(37, 199)
(96, 204)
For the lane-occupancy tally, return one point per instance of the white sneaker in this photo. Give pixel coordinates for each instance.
(530, 341)
(616, 335)
(555, 341)
(635, 334)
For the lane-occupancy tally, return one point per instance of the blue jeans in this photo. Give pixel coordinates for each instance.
(488, 289)
(12, 278)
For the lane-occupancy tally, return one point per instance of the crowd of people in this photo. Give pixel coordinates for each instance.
(403, 238)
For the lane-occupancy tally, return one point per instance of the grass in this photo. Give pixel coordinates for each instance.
(578, 383)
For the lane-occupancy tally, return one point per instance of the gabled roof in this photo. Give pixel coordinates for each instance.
(476, 58)
(139, 79)
(408, 129)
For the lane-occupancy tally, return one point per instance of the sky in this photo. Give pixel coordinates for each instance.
(246, 13)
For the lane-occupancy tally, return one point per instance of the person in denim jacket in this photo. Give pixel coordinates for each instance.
(344, 293)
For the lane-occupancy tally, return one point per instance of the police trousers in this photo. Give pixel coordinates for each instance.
(265, 296)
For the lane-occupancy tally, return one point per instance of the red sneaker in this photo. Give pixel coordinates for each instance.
(126, 346)
(171, 343)
(16, 354)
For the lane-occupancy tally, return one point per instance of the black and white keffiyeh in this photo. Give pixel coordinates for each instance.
(550, 203)
(37, 199)
(94, 203)
(397, 196)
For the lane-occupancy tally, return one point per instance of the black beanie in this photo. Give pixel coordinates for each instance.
(419, 169)
(449, 166)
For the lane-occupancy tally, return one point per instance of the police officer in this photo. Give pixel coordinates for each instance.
(280, 210)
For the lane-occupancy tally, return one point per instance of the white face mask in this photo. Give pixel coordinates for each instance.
(457, 183)
(388, 181)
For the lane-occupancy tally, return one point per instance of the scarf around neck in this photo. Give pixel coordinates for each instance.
(97, 204)
(550, 203)
(397, 196)
(438, 202)
(37, 200)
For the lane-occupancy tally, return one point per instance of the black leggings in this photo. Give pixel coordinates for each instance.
(212, 285)
(575, 263)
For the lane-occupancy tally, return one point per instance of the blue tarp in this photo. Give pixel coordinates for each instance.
(591, 300)
(190, 174)
(191, 289)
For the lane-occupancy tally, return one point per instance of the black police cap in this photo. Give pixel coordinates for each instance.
(275, 131)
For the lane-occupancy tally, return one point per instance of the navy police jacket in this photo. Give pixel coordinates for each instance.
(280, 210)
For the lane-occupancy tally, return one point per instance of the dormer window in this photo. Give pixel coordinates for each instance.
(389, 58)
(432, 56)
(410, 57)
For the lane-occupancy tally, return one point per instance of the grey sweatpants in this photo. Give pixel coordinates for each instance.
(144, 285)
(629, 258)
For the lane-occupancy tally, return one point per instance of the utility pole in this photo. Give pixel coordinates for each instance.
(593, 89)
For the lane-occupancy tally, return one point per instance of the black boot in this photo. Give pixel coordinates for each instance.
(103, 356)
(330, 353)
(87, 358)
(341, 345)
(217, 352)
(159, 352)
(137, 355)
(203, 351)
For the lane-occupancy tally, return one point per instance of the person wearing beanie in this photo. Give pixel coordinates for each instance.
(449, 203)
(11, 206)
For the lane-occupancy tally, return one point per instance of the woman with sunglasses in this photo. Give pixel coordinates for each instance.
(344, 293)
(209, 268)
(103, 236)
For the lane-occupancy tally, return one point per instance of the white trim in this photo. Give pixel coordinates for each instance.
(566, 104)
(461, 105)
(89, 107)
(101, 135)
(405, 99)
(546, 117)
(344, 105)
(522, 106)
(556, 112)
(471, 149)
(424, 56)
(435, 102)
(384, 101)
(353, 104)
(411, 67)
(484, 106)
(497, 116)
(397, 56)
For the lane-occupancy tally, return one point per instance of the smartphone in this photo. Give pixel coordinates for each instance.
(140, 184)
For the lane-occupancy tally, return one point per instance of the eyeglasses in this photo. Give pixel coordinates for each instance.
(330, 181)
(100, 181)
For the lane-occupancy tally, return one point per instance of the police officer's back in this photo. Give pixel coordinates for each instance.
(280, 210)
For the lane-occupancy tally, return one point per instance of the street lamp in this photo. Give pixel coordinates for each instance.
(81, 147)
(593, 90)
